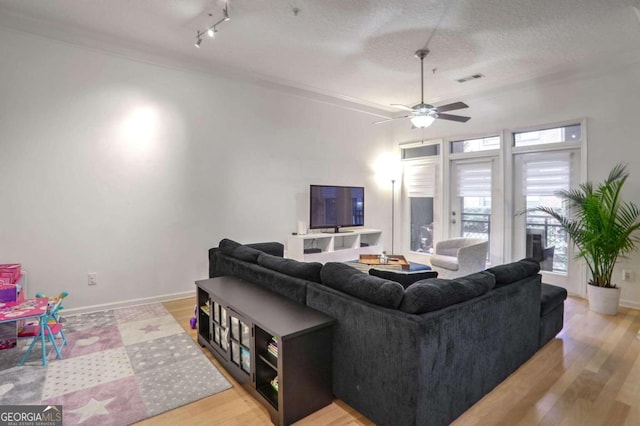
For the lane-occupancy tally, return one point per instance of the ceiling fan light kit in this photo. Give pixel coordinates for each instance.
(423, 115)
(422, 121)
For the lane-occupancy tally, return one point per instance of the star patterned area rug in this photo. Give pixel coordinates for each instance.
(119, 366)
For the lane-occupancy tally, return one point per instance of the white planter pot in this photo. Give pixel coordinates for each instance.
(604, 300)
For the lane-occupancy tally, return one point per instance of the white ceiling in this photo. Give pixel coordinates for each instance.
(358, 50)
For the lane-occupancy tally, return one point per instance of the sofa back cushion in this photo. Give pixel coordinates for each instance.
(273, 248)
(437, 293)
(277, 282)
(248, 252)
(371, 289)
(405, 279)
(309, 271)
(511, 272)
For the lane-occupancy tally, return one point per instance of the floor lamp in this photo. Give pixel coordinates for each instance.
(393, 210)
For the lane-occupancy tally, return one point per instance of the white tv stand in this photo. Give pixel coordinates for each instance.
(338, 247)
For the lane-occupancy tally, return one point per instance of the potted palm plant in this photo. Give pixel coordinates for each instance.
(602, 226)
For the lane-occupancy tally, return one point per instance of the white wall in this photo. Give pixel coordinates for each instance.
(134, 171)
(610, 103)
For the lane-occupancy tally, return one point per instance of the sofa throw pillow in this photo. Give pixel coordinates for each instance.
(405, 279)
(437, 293)
(309, 271)
(371, 289)
(511, 272)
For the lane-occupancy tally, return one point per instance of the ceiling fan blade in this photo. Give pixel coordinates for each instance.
(391, 119)
(404, 107)
(453, 106)
(459, 118)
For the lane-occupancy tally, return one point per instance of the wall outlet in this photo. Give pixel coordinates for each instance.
(626, 275)
(93, 278)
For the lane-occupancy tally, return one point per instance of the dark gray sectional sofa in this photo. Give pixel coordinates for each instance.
(419, 355)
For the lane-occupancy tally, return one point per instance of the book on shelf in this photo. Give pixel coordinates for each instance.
(205, 308)
(272, 346)
(273, 351)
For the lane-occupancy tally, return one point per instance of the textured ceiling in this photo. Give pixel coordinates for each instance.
(359, 50)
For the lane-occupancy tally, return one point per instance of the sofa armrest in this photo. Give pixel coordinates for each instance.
(273, 248)
(213, 252)
(448, 247)
(446, 262)
(472, 252)
(473, 258)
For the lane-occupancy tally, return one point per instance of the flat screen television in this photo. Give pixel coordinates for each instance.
(336, 206)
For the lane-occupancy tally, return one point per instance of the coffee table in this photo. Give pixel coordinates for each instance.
(395, 261)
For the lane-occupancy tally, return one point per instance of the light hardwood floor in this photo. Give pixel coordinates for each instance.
(588, 375)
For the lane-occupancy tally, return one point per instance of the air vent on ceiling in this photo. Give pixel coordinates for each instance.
(471, 77)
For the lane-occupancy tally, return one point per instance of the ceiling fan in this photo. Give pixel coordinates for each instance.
(423, 115)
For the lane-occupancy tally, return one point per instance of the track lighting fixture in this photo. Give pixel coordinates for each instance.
(213, 29)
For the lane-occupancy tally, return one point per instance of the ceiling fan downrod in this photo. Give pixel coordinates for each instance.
(421, 54)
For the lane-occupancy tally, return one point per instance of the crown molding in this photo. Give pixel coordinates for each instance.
(153, 55)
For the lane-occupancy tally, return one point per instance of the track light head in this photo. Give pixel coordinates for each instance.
(198, 41)
(226, 12)
(211, 32)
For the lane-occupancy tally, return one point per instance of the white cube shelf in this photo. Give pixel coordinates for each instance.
(340, 247)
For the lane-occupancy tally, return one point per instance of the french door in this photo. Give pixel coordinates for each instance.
(474, 205)
(537, 177)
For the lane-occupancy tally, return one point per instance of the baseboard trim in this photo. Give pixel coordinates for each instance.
(128, 303)
(629, 304)
(186, 294)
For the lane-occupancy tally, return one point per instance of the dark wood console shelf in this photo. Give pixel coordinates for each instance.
(279, 350)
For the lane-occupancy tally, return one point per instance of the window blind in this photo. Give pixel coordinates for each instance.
(420, 179)
(546, 173)
(474, 179)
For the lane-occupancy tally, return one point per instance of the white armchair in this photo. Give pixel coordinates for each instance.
(459, 257)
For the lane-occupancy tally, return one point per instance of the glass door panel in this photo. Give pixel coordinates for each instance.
(471, 203)
(421, 182)
(537, 176)
(421, 224)
(240, 339)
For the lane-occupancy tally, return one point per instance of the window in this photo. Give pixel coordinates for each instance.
(570, 133)
(474, 192)
(475, 145)
(420, 151)
(420, 180)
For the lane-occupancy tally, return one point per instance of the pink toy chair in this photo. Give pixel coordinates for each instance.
(52, 328)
